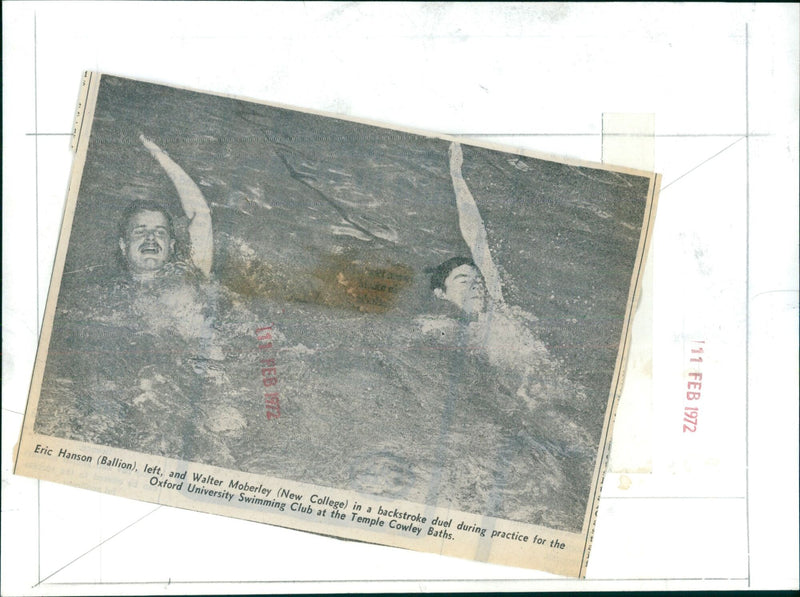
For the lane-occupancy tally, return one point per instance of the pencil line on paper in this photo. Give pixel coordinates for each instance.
(508, 134)
(36, 243)
(38, 532)
(747, 293)
(390, 580)
(776, 291)
(104, 541)
(36, 255)
(723, 150)
(673, 497)
(36, 158)
(600, 134)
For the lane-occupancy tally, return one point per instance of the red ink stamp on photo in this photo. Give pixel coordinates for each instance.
(269, 372)
(694, 385)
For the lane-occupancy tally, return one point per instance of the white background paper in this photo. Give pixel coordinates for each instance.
(718, 508)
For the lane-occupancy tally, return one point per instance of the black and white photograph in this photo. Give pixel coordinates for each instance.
(435, 326)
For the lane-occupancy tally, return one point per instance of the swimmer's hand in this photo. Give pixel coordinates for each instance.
(456, 159)
(151, 147)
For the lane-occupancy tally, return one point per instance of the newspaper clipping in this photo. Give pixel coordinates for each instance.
(334, 326)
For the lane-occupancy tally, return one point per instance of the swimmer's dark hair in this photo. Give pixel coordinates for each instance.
(139, 205)
(440, 272)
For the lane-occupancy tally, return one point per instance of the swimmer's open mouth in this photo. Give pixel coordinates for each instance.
(150, 249)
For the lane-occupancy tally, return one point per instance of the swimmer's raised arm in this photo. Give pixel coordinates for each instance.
(194, 206)
(471, 225)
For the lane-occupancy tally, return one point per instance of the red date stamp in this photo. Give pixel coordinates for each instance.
(269, 372)
(694, 386)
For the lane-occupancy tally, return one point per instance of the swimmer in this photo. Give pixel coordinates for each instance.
(459, 281)
(147, 236)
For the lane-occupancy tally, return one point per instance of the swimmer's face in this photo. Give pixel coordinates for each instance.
(464, 288)
(147, 245)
